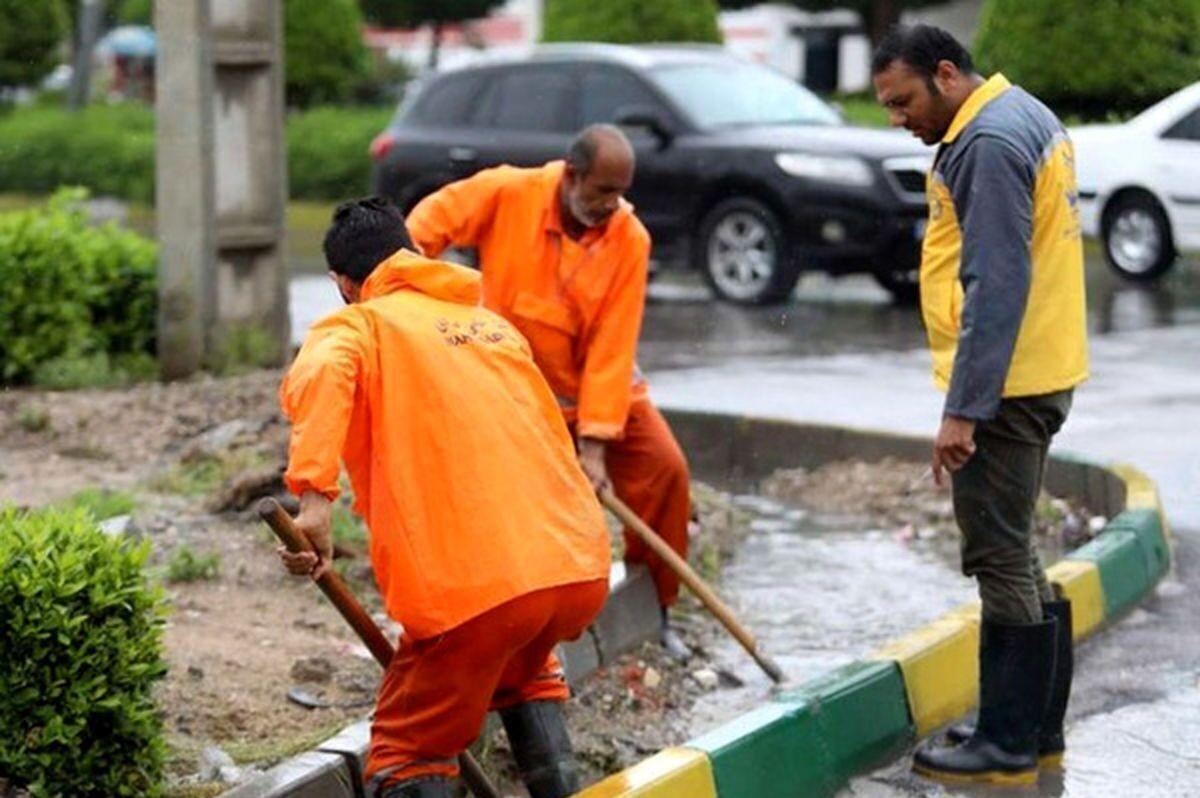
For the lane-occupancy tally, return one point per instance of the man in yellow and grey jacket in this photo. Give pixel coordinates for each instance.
(1002, 297)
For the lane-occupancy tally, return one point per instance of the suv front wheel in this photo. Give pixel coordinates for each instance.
(743, 253)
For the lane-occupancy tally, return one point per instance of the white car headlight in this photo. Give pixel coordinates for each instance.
(846, 170)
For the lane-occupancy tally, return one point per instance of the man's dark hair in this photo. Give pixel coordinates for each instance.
(363, 234)
(921, 47)
(582, 152)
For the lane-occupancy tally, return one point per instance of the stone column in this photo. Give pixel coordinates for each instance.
(221, 184)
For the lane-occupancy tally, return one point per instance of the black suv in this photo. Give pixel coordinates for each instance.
(741, 172)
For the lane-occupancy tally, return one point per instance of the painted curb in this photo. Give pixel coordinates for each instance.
(923, 680)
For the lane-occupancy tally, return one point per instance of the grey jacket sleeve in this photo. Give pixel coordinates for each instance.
(992, 188)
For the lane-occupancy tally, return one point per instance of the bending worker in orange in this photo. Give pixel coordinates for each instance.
(487, 542)
(566, 261)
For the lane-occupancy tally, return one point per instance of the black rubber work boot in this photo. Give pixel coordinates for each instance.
(1052, 743)
(1016, 663)
(420, 787)
(538, 736)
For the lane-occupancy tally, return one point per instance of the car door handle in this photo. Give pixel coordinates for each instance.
(463, 154)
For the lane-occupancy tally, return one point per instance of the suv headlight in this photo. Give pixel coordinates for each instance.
(847, 170)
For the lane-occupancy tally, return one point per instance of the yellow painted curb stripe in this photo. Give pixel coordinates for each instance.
(940, 663)
(1079, 581)
(1141, 493)
(671, 773)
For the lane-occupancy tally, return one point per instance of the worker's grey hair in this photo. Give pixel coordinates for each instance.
(582, 152)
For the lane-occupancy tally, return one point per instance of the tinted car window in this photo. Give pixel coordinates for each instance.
(448, 101)
(1187, 128)
(533, 99)
(605, 91)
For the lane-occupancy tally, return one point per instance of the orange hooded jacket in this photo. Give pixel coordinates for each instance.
(579, 303)
(459, 458)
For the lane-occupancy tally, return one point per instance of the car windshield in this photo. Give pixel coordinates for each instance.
(737, 94)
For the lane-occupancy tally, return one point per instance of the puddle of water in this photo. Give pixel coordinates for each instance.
(818, 596)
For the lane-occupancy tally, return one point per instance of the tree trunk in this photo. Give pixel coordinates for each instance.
(435, 44)
(881, 15)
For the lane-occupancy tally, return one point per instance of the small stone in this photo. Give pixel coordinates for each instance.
(707, 678)
(195, 672)
(651, 678)
(312, 669)
(1172, 589)
(117, 526)
(1097, 523)
(215, 763)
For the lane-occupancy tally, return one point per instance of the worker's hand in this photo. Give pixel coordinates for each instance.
(591, 458)
(954, 446)
(314, 523)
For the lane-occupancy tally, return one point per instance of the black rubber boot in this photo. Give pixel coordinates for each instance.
(1052, 743)
(538, 736)
(420, 787)
(1016, 663)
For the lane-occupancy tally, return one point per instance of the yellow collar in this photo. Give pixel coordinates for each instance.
(995, 86)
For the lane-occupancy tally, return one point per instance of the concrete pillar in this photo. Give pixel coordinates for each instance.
(251, 185)
(221, 184)
(184, 185)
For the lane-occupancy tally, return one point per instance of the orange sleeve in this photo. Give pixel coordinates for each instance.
(459, 214)
(317, 396)
(607, 382)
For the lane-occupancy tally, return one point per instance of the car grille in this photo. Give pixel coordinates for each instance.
(910, 180)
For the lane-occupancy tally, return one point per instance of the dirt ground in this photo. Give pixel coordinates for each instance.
(194, 455)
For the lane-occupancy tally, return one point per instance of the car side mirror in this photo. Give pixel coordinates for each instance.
(647, 118)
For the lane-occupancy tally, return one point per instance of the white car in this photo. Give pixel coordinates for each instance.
(1139, 185)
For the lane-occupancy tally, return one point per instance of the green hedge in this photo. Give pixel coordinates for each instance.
(631, 21)
(327, 151)
(81, 633)
(70, 292)
(110, 150)
(1092, 58)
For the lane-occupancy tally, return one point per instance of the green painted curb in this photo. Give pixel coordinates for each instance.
(862, 716)
(773, 750)
(1131, 555)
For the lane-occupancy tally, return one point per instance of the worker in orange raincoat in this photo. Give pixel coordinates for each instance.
(486, 539)
(565, 260)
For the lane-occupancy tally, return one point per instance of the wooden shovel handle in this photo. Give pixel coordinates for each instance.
(693, 581)
(367, 630)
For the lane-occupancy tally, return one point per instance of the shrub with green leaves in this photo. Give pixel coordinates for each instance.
(1093, 58)
(108, 149)
(81, 633)
(70, 290)
(631, 21)
(323, 50)
(327, 151)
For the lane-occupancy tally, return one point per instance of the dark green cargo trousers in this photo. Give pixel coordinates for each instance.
(995, 494)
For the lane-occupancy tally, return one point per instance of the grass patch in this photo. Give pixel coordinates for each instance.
(348, 528)
(32, 418)
(242, 349)
(99, 370)
(861, 110)
(204, 474)
(207, 790)
(101, 503)
(186, 565)
(269, 752)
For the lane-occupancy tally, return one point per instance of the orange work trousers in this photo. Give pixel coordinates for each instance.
(437, 691)
(650, 474)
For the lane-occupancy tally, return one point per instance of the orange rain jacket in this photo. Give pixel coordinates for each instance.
(579, 303)
(459, 458)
